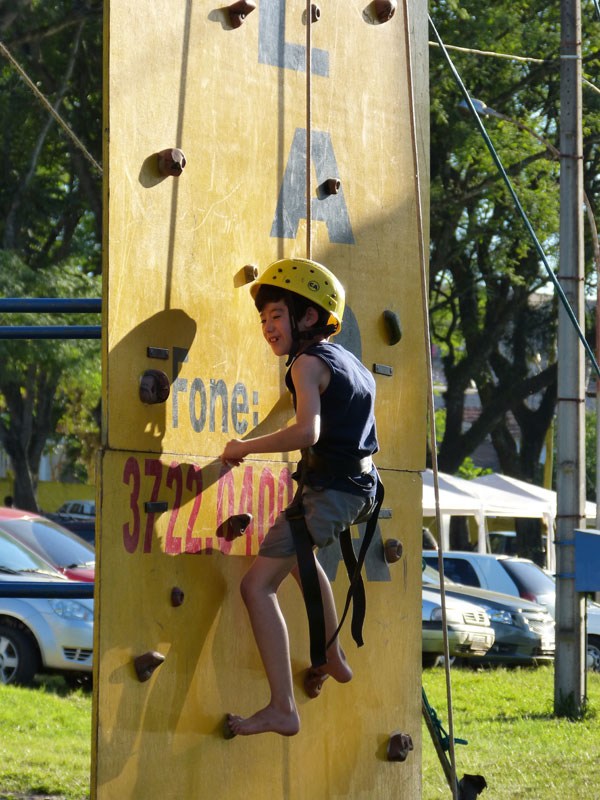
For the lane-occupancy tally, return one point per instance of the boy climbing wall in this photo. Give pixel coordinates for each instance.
(301, 304)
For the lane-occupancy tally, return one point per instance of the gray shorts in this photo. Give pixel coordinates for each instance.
(327, 514)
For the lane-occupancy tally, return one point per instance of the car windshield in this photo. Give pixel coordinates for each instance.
(15, 557)
(529, 577)
(61, 547)
(431, 576)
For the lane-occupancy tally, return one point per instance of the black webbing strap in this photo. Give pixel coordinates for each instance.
(354, 565)
(309, 579)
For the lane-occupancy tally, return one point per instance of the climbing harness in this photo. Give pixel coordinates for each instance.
(307, 568)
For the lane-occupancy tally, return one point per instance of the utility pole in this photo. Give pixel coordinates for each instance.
(570, 665)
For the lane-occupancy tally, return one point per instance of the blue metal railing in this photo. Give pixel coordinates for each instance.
(50, 589)
(40, 305)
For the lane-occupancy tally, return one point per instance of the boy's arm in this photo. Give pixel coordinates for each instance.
(310, 376)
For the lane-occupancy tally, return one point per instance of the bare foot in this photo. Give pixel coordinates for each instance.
(268, 719)
(337, 667)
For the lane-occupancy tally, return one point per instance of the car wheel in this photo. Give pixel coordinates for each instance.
(18, 656)
(593, 651)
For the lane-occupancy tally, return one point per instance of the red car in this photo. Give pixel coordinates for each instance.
(64, 550)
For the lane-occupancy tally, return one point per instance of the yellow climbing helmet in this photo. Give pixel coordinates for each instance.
(310, 280)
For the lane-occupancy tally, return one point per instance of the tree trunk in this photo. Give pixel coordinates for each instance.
(25, 484)
(529, 540)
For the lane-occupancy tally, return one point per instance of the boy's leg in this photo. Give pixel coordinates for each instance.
(259, 591)
(336, 666)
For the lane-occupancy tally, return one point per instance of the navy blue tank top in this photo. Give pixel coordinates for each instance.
(348, 430)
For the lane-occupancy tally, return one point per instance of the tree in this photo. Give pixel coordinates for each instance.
(42, 382)
(495, 328)
(50, 218)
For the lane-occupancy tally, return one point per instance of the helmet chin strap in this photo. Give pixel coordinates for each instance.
(304, 336)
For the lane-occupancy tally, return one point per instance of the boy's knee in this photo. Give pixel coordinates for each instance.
(248, 587)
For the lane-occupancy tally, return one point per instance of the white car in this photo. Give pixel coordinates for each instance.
(469, 629)
(40, 634)
(78, 509)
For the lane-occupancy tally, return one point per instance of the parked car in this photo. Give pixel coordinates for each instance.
(77, 516)
(535, 583)
(469, 629)
(78, 509)
(525, 579)
(64, 550)
(39, 634)
(532, 582)
(524, 631)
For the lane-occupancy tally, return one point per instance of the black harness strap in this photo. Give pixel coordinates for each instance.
(354, 565)
(309, 577)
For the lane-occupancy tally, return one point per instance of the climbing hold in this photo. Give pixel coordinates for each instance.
(239, 11)
(315, 12)
(171, 162)
(156, 506)
(176, 596)
(392, 324)
(227, 732)
(385, 9)
(393, 550)
(146, 664)
(250, 273)
(399, 746)
(383, 369)
(233, 527)
(158, 352)
(332, 185)
(154, 386)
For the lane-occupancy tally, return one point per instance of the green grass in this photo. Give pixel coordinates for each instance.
(45, 735)
(523, 752)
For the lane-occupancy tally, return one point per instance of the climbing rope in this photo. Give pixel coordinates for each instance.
(308, 125)
(512, 57)
(559, 290)
(51, 110)
(430, 397)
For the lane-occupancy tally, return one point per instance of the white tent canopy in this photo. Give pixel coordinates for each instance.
(456, 499)
(529, 493)
(527, 490)
(488, 496)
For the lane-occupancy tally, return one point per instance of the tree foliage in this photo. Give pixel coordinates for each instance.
(494, 326)
(50, 221)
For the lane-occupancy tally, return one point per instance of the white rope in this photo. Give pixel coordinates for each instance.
(48, 106)
(430, 396)
(308, 126)
(494, 54)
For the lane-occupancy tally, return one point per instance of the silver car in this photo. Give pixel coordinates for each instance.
(39, 634)
(524, 630)
(469, 630)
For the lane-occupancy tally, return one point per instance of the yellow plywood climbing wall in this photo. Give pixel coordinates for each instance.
(178, 74)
